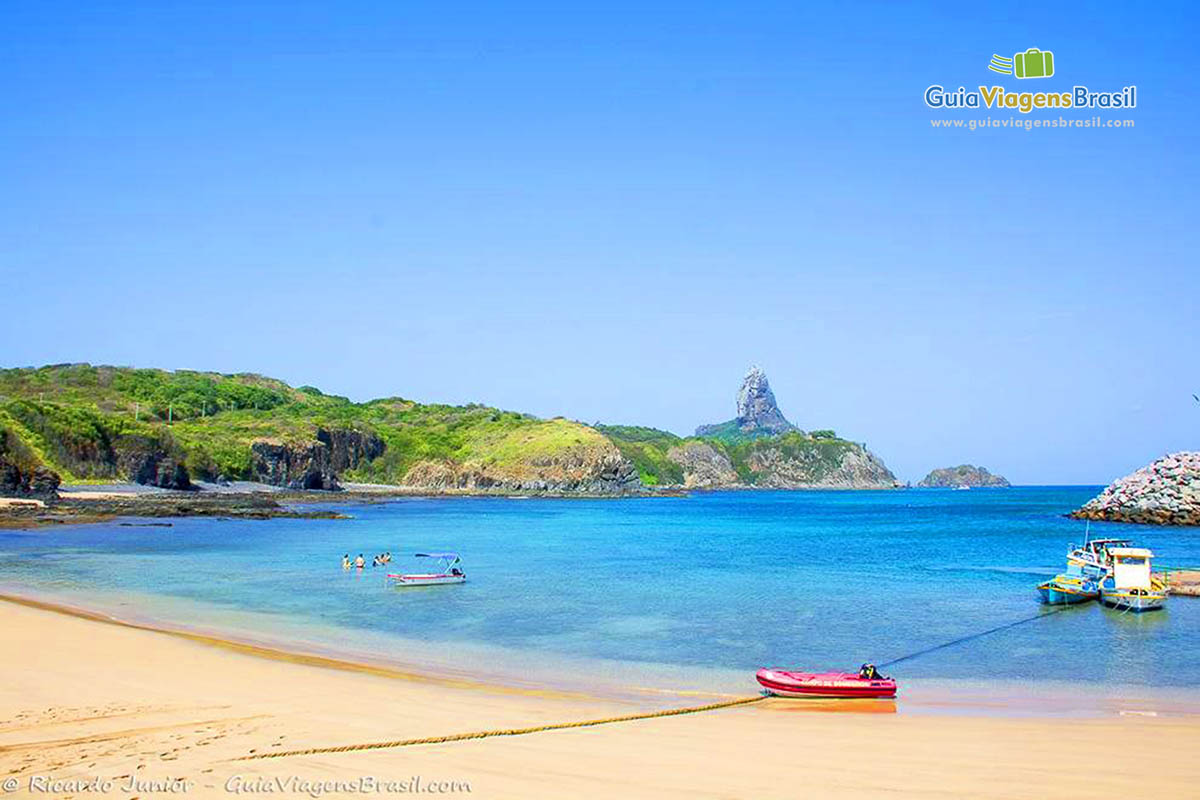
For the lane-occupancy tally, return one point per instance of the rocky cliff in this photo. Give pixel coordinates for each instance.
(21, 475)
(962, 475)
(794, 461)
(86, 445)
(757, 411)
(703, 465)
(1167, 492)
(315, 464)
(596, 468)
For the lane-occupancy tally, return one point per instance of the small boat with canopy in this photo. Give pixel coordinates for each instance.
(449, 570)
(1095, 556)
(1131, 586)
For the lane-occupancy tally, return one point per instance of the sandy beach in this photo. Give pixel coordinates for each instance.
(89, 707)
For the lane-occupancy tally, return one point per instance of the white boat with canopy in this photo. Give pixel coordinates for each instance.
(1131, 586)
(1095, 555)
(449, 570)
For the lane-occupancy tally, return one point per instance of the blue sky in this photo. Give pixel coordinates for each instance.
(611, 213)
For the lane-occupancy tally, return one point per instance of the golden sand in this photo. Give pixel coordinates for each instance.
(84, 701)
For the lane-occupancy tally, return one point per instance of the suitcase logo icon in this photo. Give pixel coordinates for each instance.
(1033, 63)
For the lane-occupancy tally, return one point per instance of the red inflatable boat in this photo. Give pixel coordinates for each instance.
(824, 684)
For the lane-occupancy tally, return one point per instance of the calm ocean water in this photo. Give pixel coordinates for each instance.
(722, 581)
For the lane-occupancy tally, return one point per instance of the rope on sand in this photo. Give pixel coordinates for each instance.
(460, 737)
(557, 726)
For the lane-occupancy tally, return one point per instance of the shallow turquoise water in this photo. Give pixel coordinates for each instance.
(730, 580)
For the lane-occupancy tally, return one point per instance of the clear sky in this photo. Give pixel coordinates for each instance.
(610, 213)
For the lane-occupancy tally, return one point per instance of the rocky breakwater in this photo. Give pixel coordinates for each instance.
(1167, 492)
(314, 464)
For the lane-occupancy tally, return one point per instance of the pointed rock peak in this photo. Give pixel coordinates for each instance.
(756, 407)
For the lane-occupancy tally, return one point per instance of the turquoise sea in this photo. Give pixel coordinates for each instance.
(714, 584)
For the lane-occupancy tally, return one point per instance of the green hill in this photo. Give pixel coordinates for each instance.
(92, 423)
(97, 424)
(788, 460)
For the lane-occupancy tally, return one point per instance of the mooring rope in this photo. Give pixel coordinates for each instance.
(556, 726)
(460, 737)
(969, 637)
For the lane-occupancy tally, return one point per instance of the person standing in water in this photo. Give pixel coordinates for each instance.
(360, 562)
(346, 561)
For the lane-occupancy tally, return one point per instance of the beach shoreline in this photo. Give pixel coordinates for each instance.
(498, 669)
(85, 503)
(84, 697)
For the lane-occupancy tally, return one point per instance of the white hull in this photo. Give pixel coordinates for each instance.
(426, 580)
(1132, 602)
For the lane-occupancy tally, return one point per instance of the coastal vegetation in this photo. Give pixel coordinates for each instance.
(80, 419)
(647, 449)
(100, 423)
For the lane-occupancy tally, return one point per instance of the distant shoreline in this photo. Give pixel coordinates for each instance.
(96, 503)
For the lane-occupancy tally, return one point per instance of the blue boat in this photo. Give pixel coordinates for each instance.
(1076, 585)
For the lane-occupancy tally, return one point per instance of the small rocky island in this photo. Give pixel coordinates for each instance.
(1167, 492)
(962, 475)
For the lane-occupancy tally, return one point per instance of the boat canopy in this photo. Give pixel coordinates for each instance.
(453, 556)
(1131, 567)
(1130, 551)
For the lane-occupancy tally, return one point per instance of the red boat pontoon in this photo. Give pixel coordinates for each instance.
(785, 683)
